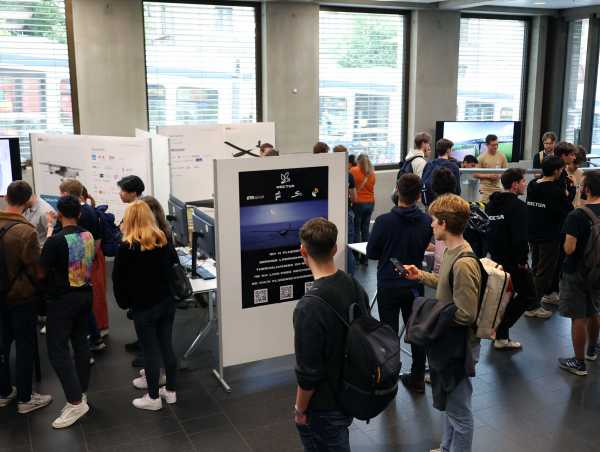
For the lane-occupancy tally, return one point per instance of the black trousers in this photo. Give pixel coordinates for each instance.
(545, 257)
(392, 302)
(68, 322)
(154, 327)
(523, 300)
(18, 326)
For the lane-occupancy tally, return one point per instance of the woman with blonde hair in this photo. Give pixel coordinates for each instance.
(364, 179)
(141, 283)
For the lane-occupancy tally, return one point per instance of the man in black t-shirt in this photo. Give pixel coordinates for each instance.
(319, 341)
(578, 301)
(350, 258)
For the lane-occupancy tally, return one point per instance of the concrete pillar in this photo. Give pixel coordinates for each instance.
(291, 73)
(433, 70)
(110, 66)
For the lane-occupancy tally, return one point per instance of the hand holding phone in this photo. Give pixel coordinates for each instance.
(398, 267)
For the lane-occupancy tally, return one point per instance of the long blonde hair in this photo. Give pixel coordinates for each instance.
(365, 165)
(139, 226)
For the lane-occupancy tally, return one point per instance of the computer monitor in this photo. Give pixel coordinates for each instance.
(204, 231)
(178, 209)
(10, 162)
(469, 137)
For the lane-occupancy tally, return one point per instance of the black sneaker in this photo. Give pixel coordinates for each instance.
(133, 347)
(573, 365)
(413, 384)
(591, 353)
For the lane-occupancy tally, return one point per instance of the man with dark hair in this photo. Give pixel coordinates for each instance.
(320, 339)
(417, 158)
(443, 182)
(548, 141)
(567, 152)
(490, 183)
(443, 149)
(508, 246)
(452, 389)
(21, 252)
(403, 234)
(320, 148)
(579, 299)
(547, 208)
(131, 187)
(265, 149)
(66, 261)
(470, 161)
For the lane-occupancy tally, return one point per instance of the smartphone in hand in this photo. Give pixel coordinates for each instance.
(399, 267)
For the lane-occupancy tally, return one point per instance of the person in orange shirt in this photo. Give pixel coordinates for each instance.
(364, 178)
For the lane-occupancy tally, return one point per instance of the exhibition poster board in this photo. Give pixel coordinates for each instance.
(260, 206)
(161, 176)
(97, 161)
(193, 148)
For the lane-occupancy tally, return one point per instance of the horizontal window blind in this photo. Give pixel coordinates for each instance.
(361, 82)
(200, 63)
(35, 87)
(595, 149)
(575, 79)
(490, 69)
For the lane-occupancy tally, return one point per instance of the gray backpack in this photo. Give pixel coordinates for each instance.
(591, 253)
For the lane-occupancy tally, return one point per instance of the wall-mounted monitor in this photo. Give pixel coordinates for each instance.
(469, 137)
(10, 162)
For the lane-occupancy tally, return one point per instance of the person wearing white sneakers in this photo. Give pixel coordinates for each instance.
(20, 252)
(66, 261)
(141, 283)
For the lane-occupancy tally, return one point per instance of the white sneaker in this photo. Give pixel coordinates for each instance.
(147, 403)
(500, 344)
(169, 396)
(36, 402)
(70, 414)
(552, 298)
(104, 333)
(540, 313)
(5, 401)
(142, 383)
(43, 330)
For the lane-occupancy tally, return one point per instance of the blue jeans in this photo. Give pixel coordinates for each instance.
(458, 419)
(326, 431)
(362, 221)
(351, 239)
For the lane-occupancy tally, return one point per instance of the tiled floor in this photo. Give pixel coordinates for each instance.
(522, 402)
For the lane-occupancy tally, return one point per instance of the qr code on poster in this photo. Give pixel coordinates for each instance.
(261, 296)
(286, 292)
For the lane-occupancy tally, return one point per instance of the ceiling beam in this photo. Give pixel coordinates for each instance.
(463, 4)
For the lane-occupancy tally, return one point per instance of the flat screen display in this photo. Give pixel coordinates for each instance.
(469, 137)
(5, 166)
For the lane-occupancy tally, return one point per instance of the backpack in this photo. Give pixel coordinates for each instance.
(427, 195)
(109, 231)
(494, 295)
(406, 166)
(368, 381)
(179, 283)
(477, 229)
(591, 253)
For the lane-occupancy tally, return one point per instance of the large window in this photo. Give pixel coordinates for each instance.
(361, 82)
(575, 79)
(35, 88)
(595, 148)
(491, 66)
(200, 63)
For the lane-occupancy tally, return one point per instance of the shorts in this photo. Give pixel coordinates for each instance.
(576, 300)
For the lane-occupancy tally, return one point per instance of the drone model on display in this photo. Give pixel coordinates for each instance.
(243, 152)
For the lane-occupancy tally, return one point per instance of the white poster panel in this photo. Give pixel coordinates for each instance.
(97, 161)
(257, 241)
(161, 175)
(193, 148)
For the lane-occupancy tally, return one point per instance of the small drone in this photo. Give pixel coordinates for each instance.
(243, 152)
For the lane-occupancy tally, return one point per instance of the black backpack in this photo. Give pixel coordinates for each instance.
(109, 231)
(179, 283)
(368, 380)
(406, 166)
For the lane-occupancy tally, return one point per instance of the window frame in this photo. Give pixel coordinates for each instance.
(526, 55)
(257, 45)
(406, 14)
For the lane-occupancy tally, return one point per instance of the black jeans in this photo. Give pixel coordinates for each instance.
(326, 431)
(545, 257)
(18, 325)
(523, 299)
(68, 322)
(154, 327)
(390, 302)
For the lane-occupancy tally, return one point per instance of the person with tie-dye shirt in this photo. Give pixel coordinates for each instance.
(66, 260)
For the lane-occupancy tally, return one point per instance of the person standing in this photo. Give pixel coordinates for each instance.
(18, 312)
(547, 208)
(320, 148)
(576, 174)
(364, 178)
(141, 283)
(131, 188)
(417, 158)
(403, 234)
(67, 259)
(320, 341)
(350, 259)
(490, 183)
(443, 150)
(37, 215)
(508, 246)
(579, 297)
(548, 141)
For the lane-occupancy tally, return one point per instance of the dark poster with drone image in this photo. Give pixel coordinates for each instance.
(274, 204)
